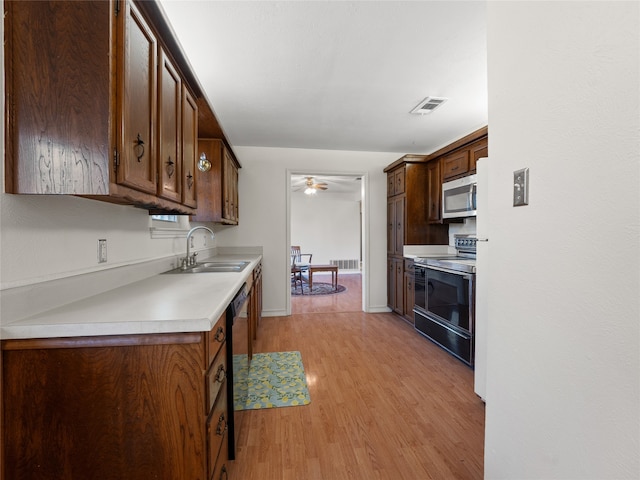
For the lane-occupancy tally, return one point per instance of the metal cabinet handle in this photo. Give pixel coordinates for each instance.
(222, 425)
(139, 148)
(170, 167)
(220, 374)
(220, 335)
(189, 180)
(224, 472)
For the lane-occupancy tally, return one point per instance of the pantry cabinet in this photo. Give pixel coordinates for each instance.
(101, 102)
(218, 187)
(407, 222)
(126, 406)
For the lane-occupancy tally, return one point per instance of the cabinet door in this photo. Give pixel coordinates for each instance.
(58, 91)
(478, 150)
(189, 143)
(435, 191)
(399, 179)
(391, 184)
(391, 226)
(391, 283)
(409, 295)
(137, 102)
(398, 266)
(455, 164)
(230, 188)
(399, 208)
(169, 130)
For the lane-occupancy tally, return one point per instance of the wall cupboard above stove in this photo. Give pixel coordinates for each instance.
(101, 102)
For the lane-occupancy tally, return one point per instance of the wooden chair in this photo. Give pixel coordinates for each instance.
(296, 275)
(297, 258)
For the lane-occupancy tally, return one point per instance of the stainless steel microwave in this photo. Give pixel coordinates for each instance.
(459, 197)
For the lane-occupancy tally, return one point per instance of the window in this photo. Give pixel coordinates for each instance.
(165, 218)
(168, 226)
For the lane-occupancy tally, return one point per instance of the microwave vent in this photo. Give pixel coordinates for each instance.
(428, 105)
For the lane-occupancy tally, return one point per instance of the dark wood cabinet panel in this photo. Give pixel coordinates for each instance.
(56, 73)
(434, 182)
(455, 164)
(169, 130)
(108, 412)
(409, 292)
(189, 149)
(137, 89)
(218, 187)
(478, 150)
(408, 222)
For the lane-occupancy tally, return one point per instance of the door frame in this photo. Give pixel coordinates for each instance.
(364, 226)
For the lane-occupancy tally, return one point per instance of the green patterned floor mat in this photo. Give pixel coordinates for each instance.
(275, 379)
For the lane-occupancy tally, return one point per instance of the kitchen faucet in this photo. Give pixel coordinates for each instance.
(191, 259)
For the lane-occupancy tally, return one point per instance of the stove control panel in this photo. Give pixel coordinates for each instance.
(465, 243)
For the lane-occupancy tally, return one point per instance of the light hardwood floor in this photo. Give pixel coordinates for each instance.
(386, 403)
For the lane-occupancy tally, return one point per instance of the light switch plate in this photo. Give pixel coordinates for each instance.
(102, 250)
(521, 187)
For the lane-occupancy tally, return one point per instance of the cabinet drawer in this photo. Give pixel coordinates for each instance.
(455, 164)
(217, 445)
(216, 338)
(216, 377)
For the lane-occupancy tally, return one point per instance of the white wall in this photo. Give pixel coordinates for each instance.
(563, 371)
(327, 225)
(264, 187)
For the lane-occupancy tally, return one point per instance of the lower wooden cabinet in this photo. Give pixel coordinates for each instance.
(115, 407)
(409, 292)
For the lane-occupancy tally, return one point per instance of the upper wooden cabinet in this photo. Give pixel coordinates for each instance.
(455, 164)
(434, 186)
(478, 150)
(137, 103)
(101, 102)
(58, 92)
(189, 146)
(218, 187)
(169, 130)
(460, 160)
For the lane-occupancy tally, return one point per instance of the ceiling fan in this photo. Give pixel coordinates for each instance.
(312, 187)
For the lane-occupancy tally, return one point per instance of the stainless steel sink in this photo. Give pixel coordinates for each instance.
(213, 267)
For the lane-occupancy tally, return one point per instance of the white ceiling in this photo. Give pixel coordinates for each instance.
(338, 75)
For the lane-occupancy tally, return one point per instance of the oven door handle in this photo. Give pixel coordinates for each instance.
(466, 275)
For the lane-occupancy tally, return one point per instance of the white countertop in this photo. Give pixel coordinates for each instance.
(414, 251)
(164, 303)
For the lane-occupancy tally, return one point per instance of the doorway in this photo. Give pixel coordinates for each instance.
(330, 222)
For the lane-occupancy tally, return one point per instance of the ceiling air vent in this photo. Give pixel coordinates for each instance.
(428, 105)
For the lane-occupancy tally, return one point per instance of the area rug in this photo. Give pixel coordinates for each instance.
(319, 288)
(275, 379)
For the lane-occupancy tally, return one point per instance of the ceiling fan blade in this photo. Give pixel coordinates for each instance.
(320, 187)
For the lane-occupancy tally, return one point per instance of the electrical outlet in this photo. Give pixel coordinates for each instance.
(191, 242)
(102, 250)
(521, 187)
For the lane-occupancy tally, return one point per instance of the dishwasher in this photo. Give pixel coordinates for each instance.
(238, 358)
